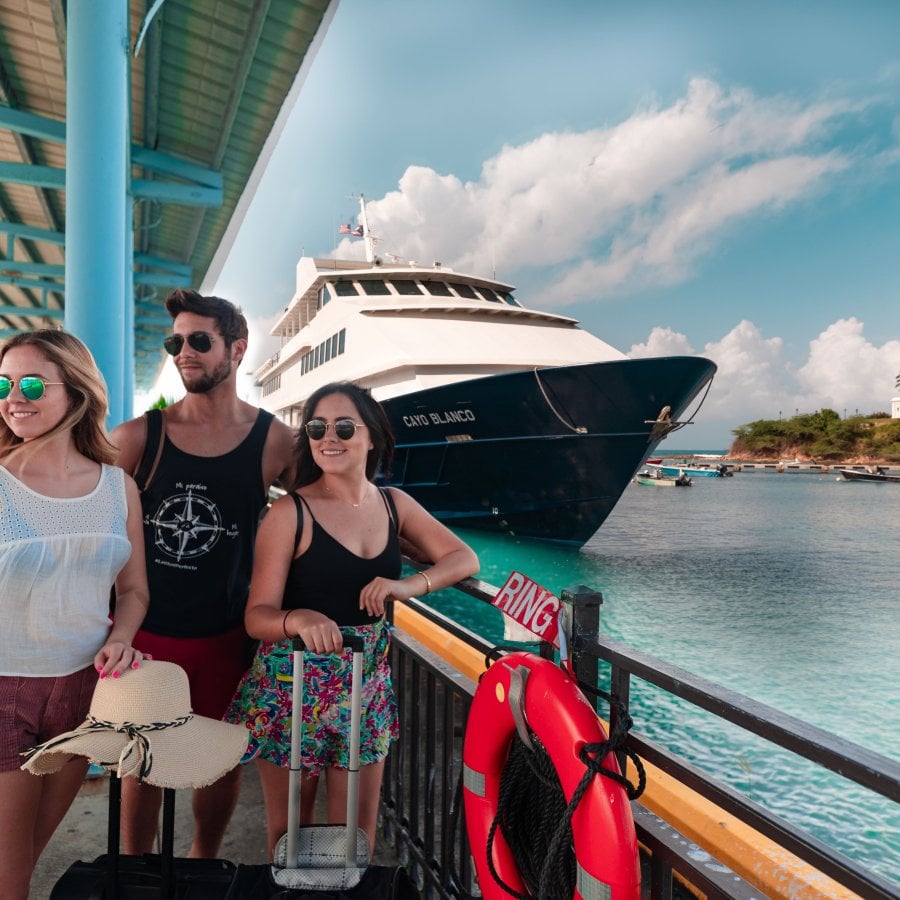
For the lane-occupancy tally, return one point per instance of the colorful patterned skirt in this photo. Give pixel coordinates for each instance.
(262, 703)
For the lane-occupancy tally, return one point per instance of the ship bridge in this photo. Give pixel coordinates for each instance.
(133, 134)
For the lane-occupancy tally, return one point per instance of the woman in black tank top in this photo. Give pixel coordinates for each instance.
(328, 557)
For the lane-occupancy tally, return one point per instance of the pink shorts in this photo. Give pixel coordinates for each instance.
(33, 710)
(214, 665)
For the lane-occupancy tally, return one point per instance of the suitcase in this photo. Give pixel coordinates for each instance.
(323, 861)
(152, 876)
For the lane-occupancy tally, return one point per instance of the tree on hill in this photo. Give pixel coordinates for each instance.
(820, 435)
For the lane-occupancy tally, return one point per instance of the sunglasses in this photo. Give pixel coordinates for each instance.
(197, 340)
(343, 428)
(31, 386)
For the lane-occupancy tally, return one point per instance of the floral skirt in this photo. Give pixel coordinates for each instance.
(262, 703)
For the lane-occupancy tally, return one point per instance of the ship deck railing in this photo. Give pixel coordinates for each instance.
(435, 670)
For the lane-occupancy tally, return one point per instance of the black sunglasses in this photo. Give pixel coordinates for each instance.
(197, 340)
(343, 428)
(31, 386)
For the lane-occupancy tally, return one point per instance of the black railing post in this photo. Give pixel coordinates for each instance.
(583, 605)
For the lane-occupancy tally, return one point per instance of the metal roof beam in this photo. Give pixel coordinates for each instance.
(14, 267)
(28, 232)
(145, 259)
(47, 129)
(36, 176)
(30, 312)
(158, 280)
(20, 122)
(170, 192)
(165, 191)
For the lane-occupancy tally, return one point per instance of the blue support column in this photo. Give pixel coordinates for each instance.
(97, 141)
(128, 297)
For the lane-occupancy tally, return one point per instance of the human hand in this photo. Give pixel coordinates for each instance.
(319, 633)
(379, 591)
(115, 657)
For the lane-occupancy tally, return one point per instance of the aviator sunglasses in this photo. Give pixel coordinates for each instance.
(31, 386)
(343, 428)
(197, 340)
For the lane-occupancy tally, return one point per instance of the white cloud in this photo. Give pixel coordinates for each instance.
(843, 371)
(619, 207)
(850, 371)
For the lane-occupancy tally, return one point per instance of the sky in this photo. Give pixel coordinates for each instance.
(704, 177)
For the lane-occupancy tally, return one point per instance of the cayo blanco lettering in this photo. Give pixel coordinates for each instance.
(530, 605)
(446, 417)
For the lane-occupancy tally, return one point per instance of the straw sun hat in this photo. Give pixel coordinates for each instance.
(141, 725)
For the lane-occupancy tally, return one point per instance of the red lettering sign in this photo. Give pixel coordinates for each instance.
(532, 606)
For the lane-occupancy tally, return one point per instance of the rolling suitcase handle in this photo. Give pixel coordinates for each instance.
(357, 645)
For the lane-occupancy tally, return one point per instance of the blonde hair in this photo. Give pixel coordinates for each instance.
(85, 388)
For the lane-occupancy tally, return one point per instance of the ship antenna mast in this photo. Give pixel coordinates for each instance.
(367, 235)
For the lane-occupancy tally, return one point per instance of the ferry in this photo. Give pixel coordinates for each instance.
(507, 418)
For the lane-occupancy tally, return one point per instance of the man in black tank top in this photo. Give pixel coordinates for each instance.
(212, 465)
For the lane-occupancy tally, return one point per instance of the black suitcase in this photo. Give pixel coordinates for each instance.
(331, 861)
(152, 876)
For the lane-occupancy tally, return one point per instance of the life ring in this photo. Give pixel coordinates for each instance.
(556, 711)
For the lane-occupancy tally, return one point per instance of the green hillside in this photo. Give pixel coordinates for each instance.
(822, 435)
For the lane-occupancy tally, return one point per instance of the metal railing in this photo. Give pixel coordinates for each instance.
(422, 796)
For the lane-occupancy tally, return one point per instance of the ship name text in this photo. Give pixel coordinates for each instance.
(439, 418)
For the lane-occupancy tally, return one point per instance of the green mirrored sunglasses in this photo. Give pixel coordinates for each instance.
(31, 386)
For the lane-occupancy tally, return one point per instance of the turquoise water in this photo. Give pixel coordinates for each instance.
(783, 587)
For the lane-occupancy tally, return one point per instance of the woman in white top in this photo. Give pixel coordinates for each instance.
(70, 527)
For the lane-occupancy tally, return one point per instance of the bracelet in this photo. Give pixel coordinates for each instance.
(284, 623)
(427, 582)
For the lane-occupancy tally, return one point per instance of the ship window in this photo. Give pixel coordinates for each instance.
(437, 288)
(322, 297)
(464, 290)
(342, 334)
(406, 287)
(345, 288)
(327, 347)
(508, 298)
(334, 346)
(488, 294)
(374, 287)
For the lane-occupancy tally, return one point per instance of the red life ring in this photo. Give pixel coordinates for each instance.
(556, 711)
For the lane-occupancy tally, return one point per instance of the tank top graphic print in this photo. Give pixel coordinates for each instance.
(200, 519)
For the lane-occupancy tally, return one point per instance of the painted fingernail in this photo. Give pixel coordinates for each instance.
(102, 675)
(115, 674)
(135, 664)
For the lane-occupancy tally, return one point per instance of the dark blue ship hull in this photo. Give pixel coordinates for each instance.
(542, 454)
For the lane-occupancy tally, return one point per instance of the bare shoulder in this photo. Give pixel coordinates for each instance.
(129, 439)
(278, 455)
(281, 516)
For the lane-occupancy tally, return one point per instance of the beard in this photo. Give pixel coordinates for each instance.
(207, 382)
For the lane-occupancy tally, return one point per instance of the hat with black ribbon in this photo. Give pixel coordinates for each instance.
(141, 725)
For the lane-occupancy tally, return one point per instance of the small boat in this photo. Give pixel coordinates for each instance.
(877, 474)
(720, 471)
(655, 479)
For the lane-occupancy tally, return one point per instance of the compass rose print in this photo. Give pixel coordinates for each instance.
(187, 525)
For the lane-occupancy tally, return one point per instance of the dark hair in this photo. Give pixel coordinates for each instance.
(84, 386)
(373, 415)
(229, 319)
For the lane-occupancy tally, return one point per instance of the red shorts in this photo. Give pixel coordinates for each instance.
(33, 710)
(214, 665)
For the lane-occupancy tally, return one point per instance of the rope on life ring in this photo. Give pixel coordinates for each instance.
(523, 700)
